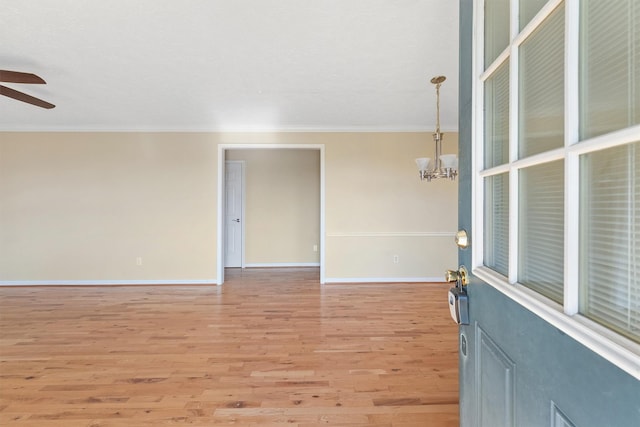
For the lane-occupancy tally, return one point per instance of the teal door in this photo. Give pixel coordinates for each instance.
(517, 367)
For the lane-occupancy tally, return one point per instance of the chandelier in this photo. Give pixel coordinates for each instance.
(443, 165)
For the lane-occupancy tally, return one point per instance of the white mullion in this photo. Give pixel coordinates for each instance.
(572, 234)
(497, 170)
(571, 72)
(514, 175)
(546, 10)
(514, 24)
(513, 92)
(478, 143)
(497, 63)
(513, 81)
(572, 160)
(536, 159)
(608, 140)
(513, 147)
(630, 226)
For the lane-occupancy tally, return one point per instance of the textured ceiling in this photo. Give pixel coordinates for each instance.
(233, 65)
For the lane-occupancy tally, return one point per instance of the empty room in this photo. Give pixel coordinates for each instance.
(334, 212)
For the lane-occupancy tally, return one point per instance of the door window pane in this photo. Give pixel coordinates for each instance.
(542, 87)
(610, 238)
(609, 66)
(541, 229)
(496, 223)
(496, 29)
(496, 118)
(528, 9)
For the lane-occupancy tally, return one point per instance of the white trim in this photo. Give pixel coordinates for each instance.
(613, 347)
(323, 240)
(477, 135)
(209, 129)
(270, 146)
(220, 203)
(384, 280)
(244, 211)
(392, 234)
(281, 264)
(107, 282)
(220, 215)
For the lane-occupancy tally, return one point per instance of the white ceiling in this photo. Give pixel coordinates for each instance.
(231, 65)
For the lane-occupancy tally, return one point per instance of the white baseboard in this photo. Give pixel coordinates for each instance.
(214, 282)
(282, 264)
(437, 279)
(106, 282)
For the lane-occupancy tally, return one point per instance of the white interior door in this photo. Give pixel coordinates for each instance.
(234, 220)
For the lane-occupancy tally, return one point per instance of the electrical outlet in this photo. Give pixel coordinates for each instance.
(315, 248)
(139, 260)
(396, 259)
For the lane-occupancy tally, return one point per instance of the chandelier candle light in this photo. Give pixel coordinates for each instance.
(444, 165)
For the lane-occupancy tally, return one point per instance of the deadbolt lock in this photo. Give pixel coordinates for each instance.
(462, 239)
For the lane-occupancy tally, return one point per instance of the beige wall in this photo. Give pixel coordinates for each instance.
(377, 209)
(77, 206)
(80, 207)
(282, 205)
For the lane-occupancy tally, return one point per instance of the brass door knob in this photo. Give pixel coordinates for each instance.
(451, 276)
(459, 276)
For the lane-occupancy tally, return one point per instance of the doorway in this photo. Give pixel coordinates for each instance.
(223, 216)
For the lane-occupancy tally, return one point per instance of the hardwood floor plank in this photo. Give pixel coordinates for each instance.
(271, 347)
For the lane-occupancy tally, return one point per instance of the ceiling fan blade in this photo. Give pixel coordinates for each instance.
(6, 91)
(18, 77)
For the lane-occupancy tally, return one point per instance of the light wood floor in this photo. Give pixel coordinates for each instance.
(269, 348)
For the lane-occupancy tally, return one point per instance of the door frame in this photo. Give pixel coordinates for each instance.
(242, 164)
(222, 148)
